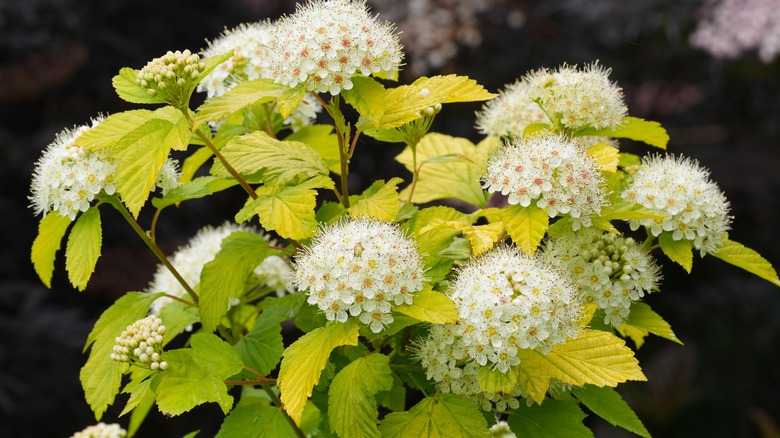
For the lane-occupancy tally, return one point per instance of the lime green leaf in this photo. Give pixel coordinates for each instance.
(551, 419)
(526, 225)
(139, 389)
(493, 380)
(637, 129)
(127, 87)
(394, 398)
(380, 201)
(140, 412)
(643, 320)
(595, 357)
(430, 306)
(404, 104)
(113, 129)
(367, 96)
(322, 139)
(83, 248)
(225, 276)
(352, 407)
(101, 376)
(198, 188)
(177, 317)
(241, 96)
(279, 161)
(195, 375)
(438, 416)
(256, 421)
(609, 405)
(606, 156)
(457, 179)
(209, 64)
(629, 161)
(625, 210)
(743, 257)
(262, 348)
(305, 359)
(288, 210)
(678, 251)
(51, 230)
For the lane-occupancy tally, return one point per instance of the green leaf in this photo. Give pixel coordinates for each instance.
(177, 317)
(140, 412)
(241, 96)
(430, 306)
(198, 188)
(394, 398)
(441, 415)
(288, 210)
(128, 89)
(305, 359)
(113, 129)
(456, 179)
(493, 380)
(256, 421)
(209, 64)
(743, 257)
(609, 405)
(195, 375)
(678, 251)
(225, 276)
(380, 201)
(643, 320)
(101, 376)
(637, 129)
(625, 210)
(279, 162)
(367, 96)
(606, 156)
(262, 348)
(551, 419)
(322, 139)
(51, 230)
(526, 225)
(83, 249)
(352, 407)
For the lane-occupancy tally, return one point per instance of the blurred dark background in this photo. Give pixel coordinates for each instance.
(57, 58)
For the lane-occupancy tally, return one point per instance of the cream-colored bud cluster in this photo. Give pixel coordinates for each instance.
(101, 430)
(171, 76)
(141, 343)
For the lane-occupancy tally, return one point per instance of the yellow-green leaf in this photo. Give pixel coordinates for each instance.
(305, 359)
(83, 248)
(596, 357)
(494, 381)
(278, 161)
(241, 96)
(322, 139)
(743, 257)
(380, 201)
(367, 96)
(483, 237)
(678, 251)
(637, 129)
(288, 210)
(51, 229)
(430, 306)
(526, 226)
(643, 320)
(127, 87)
(195, 189)
(352, 406)
(606, 156)
(457, 179)
(437, 416)
(113, 129)
(625, 210)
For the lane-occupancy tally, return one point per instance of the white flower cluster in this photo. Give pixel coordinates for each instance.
(501, 430)
(171, 76)
(578, 98)
(511, 112)
(326, 42)
(201, 249)
(680, 188)
(66, 178)
(101, 430)
(360, 268)
(555, 173)
(249, 45)
(141, 344)
(612, 271)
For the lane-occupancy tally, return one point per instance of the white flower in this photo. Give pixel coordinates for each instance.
(360, 268)
(201, 249)
(578, 98)
(501, 430)
(556, 174)
(511, 112)
(326, 42)
(101, 430)
(66, 179)
(612, 271)
(141, 344)
(679, 188)
(275, 273)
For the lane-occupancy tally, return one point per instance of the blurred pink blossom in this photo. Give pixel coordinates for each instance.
(728, 27)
